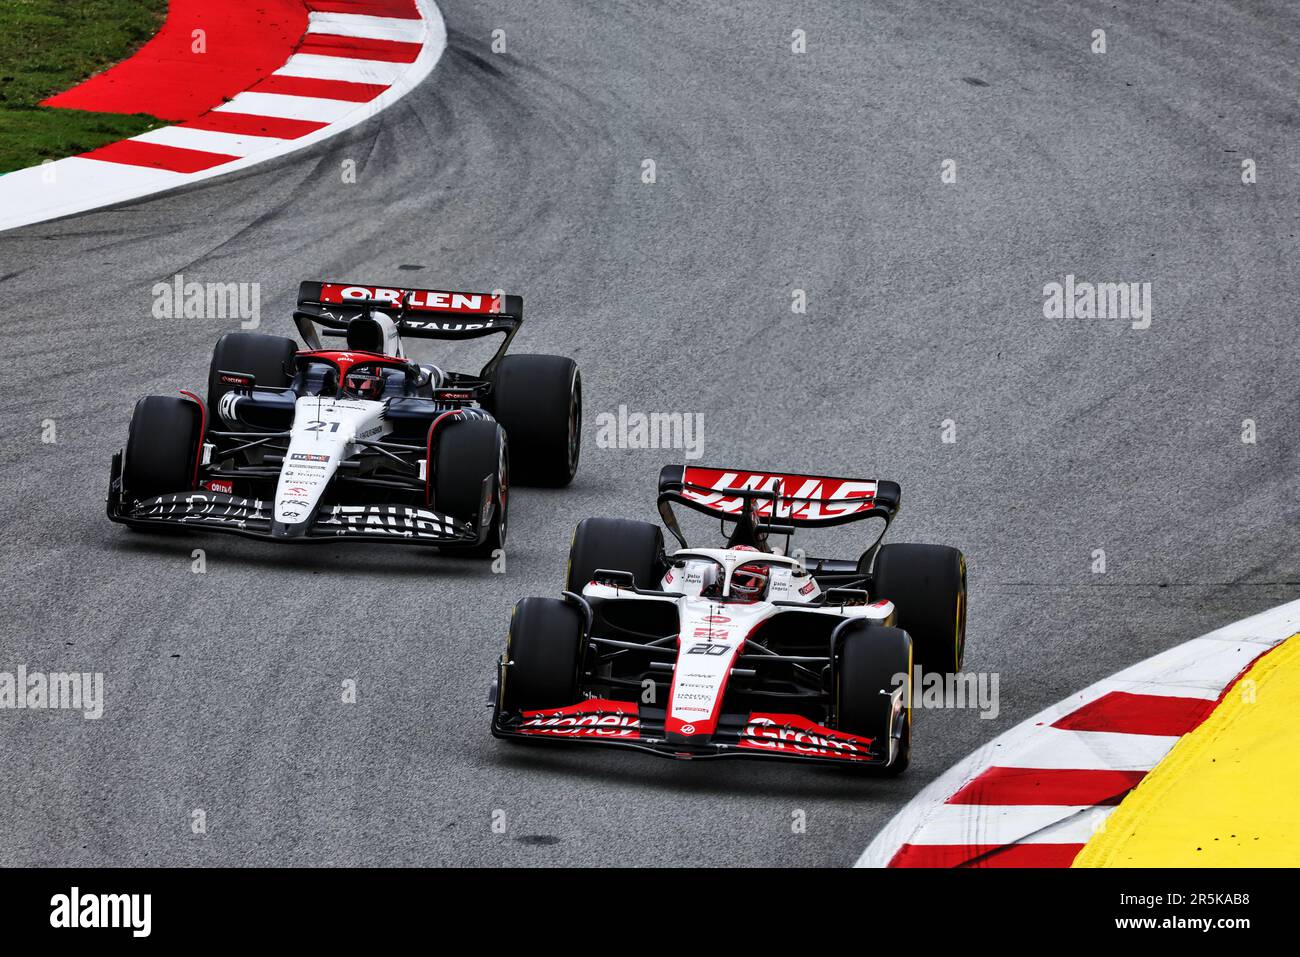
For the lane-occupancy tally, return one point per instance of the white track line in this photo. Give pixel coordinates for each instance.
(1087, 751)
(368, 28)
(351, 69)
(209, 141)
(1030, 824)
(79, 184)
(288, 107)
(1198, 668)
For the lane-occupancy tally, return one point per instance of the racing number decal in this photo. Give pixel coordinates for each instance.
(317, 425)
(707, 648)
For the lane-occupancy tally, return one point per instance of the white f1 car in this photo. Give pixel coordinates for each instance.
(362, 443)
(744, 650)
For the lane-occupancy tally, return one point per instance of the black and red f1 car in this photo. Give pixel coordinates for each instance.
(358, 443)
(746, 650)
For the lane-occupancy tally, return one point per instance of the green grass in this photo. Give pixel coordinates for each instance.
(48, 46)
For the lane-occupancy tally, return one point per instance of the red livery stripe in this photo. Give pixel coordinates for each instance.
(1044, 786)
(325, 89)
(247, 124)
(401, 9)
(986, 855)
(174, 158)
(174, 77)
(359, 48)
(1120, 712)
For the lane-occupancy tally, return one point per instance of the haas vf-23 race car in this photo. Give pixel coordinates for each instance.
(747, 650)
(359, 443)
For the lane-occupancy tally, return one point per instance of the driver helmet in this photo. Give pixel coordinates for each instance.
(364, 384)
(749, 581)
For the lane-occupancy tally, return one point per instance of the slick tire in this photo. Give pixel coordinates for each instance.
(927, 584)
(266, 358)
(538, 399)
(161, 446)
(467, 454)
(868, 657)
(544, 654)
(616, 544)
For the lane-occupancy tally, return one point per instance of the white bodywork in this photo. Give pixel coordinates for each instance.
(714, 630)
(324, 433)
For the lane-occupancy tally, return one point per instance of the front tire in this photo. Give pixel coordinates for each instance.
(538, 399)
(868, 660)
(616, 544)
(161, 447)
(544, 655)
(470, 452)
(927, 584)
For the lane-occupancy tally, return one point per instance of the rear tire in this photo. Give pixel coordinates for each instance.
(538, 399)
(161, 447)
(264, 357)
(927, 584)
(867, 660)
(616, 544)
(544, 649)
(468, 452)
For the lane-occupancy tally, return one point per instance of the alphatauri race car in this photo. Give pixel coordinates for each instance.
(748, 650)
(359, 443)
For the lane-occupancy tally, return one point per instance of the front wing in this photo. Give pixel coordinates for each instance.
(252, 518)
(626, 724)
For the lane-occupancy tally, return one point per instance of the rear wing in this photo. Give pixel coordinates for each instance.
(419, 313)
(763, 503)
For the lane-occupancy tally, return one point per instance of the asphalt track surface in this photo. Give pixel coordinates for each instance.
(775, 171)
